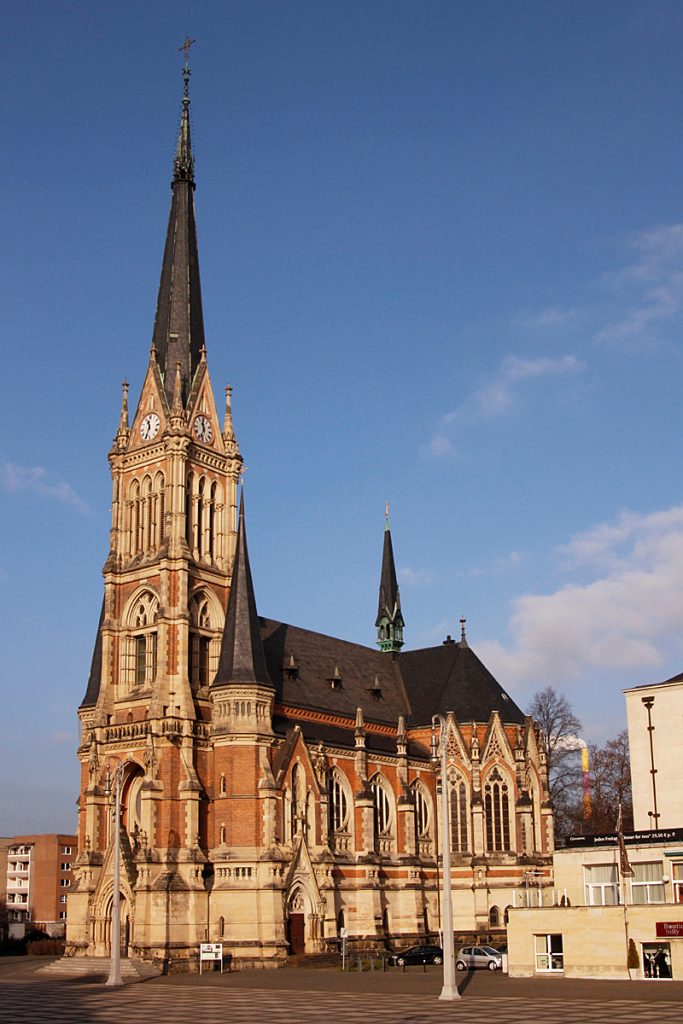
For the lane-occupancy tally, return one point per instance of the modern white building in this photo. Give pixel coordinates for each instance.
(596, 909)
(655, 736)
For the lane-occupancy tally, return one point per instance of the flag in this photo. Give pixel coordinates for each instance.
(624, 866)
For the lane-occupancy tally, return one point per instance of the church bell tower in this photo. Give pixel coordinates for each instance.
(175, 468)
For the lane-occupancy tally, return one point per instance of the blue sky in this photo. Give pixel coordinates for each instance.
(442, 264)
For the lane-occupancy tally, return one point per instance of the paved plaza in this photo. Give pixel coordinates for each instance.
(283, 997)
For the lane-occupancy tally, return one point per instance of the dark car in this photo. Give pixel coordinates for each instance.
(419, 955)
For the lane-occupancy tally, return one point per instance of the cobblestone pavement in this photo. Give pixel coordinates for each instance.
(248, 997)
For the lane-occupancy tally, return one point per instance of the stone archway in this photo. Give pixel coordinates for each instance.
(102, 926)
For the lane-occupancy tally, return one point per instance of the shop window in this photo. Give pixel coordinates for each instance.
(677, 871)
(549, 955)
(602, 885)
(656, 960)
(647, 884)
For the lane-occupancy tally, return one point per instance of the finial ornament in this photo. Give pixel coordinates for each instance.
(186, 47)
(463, 636)
(386, 513)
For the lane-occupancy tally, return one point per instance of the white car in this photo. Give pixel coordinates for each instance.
(471, 957)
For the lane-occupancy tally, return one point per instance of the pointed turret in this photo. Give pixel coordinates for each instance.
(179, 322)
(242, 659)
(389, 621)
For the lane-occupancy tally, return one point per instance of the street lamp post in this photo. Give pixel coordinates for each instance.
(114, 980)
(648, 702)
(450, 989)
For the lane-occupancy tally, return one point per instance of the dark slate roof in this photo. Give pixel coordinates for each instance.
(415, 684)
(242, 659)
(389, 597)
(92, 690)
(317, 658)
(452, 678)
(179, 323)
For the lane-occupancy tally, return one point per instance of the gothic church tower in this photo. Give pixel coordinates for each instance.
(175, 470)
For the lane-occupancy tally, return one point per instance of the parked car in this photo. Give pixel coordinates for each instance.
(419, 955)
(471, 957)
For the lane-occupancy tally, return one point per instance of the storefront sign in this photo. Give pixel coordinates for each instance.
(669, 929)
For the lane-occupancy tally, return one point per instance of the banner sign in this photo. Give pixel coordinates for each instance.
(660, 835)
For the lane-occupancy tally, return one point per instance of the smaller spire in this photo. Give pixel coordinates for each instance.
(242, 659)
(389, 622)
(360, 728)
(401, 741)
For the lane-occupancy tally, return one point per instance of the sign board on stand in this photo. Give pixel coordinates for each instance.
(210, 951)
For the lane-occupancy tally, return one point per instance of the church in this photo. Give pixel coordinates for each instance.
(278, 786)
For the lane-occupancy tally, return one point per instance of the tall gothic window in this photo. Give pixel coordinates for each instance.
(337, 804)
(382, 813)
(202, 507)
(144, 516)
(497, 812)
(459, 812)
(422, 815)
(140, 645)
(203, 648)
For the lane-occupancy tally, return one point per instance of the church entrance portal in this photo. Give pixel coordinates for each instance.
(296, 934)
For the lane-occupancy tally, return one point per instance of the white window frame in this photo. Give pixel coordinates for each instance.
(596, 891)
(652, 889)
(548, 960)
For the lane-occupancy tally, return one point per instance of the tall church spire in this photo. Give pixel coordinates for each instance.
(179, 322)
(389, 621)
(242, 659)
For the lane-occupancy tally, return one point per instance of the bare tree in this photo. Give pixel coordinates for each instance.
(560, 729)
(610, 778)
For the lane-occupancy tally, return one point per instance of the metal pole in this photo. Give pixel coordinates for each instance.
(450, 989)
(648, 702)
(114, 979)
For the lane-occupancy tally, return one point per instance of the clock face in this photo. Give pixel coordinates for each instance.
(202, 429)
(149, 428)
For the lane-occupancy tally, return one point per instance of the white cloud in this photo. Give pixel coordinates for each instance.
(655, 287)
(549, 319)
(503, 564)
(498, 397)
(415, 577)
(620, 619)
(18, 479)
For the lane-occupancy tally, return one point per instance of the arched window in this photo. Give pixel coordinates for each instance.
(221, 927)
(297, 808)
(497, 812)
(204, 646)
(189, 513)
(459, 811)
(494, 917)
(382, 813)
(422, 804)
(338, 810)
(140, 646)
(159, 509)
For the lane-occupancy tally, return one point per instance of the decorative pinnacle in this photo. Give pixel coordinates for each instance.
(123, 422)
(228, 430)
(463, 637)
(386, 515)
(177, 406)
